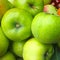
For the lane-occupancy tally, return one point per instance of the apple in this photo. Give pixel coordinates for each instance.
(46, 28)
(4, 43)
(4, 6)
(32, 6)
(47, 2)
(50, 9)
(16, 24)
(34, 50)
(8, 56)
(17, 48)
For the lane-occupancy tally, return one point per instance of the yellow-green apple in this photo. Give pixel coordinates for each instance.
(32, 6)
(46, 28)
(3, 43)
(8, 56)
(16, 24)
(17, 48)
(4, 6)
(34, 50)
(50, 9)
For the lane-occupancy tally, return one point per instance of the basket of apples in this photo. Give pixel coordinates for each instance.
(29, 29)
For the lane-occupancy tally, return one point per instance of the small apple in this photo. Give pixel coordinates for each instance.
(8, 56)
(4, 6)
(34, 50)
(47, 2)
(50, 9)
(46, 28)
(3, 43)
(16, 24)
(17, 48)
(32, 6)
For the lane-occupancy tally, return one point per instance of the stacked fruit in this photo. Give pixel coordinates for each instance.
(29, 29)
(56, 3)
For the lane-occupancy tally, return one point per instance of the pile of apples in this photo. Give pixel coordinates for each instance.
(29, 29)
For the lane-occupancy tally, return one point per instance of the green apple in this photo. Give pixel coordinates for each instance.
(46, 28)
(50, 9)
(16, 24)
(8, 56)
(17, 48)
(34, 50)
(32, 6)
(47, 2)
(3, 43)
(4, 6)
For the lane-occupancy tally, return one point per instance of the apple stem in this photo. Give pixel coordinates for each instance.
(31, 5)
(17, 25)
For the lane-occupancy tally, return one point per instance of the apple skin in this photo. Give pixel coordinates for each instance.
(4, 6)
(4, 43)
(47, 2)
(8, 56)
(50, 9)
(32, 6)
(46, 28)
(17, 48)
(16, 24)
(34, 50)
